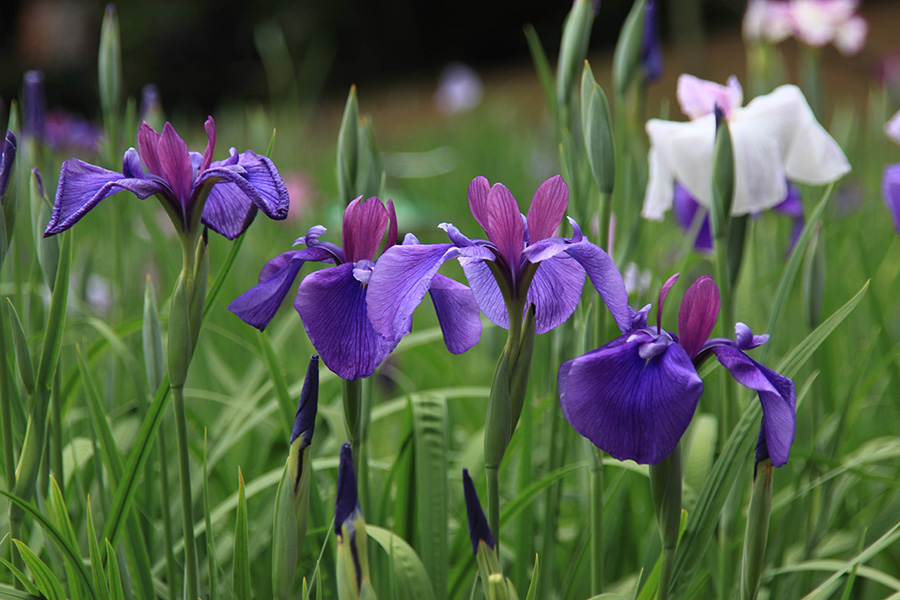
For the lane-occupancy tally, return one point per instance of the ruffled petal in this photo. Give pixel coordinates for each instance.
(776, 394)
(457, 312)
(633, 408)
(258, 305)
(271, 193)
(399, 282)
(505, 227)
(555, 291)
(606, 279)
(365, 222)
(82, 186)
(809, 153)
(332, 305)
(548, 206)
(697, 315)
(228, 211)
(890, 190)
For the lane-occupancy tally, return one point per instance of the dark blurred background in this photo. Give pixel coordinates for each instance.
(200, 52)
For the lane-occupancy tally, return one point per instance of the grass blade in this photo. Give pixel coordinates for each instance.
(241, 574)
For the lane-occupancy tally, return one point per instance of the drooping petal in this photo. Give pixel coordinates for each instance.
(457, 312)
(365, 222)
(258, 305)
(776, 394)
(479, 189)
(82, 186)
(228, 211)
(332, 305)
(759, 177)
(261, 174)
(685, 151)
(486, 291)
(555, 291)
(633, 408)
(148, 148)
(505, 227)
(745, 338)
(399, 282)
(175, 162)
(890, 190)
(809, 153)
(547, 208)
(697, 315)
(659, 196)
(606, 279)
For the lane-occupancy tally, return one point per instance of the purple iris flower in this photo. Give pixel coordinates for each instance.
(636, 396)
(651, 48)
(520, 263)
(7, 156)
(479, 530)
(332, 302)
(225, 195)
(890, 190)
(685, 207)
(34, 105)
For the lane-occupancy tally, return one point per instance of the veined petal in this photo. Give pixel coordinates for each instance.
(392, 226)
(890, 190)
(479, 189)
(365, 222)
(505, 227)
(633, 408)
(776, 394)
(175, 162)
(148, 143)
(606, 279)
(271, 193)
(399, 282)
(457, 312)
(258, 305)
(697, 315)
(547, 208)
(809, 153)
(332, 305)
(555, 291)
(486, 291)
(82, 186)
(228, 211)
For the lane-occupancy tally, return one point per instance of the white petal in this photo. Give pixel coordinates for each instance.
(892, 128)
(660, 187)
(810, 155)
(759, 179)
(686, 149)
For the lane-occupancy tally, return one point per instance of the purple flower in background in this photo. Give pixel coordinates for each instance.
(685, 208)
(479, 530)
(34, 105)
(520, 264)
(332, 302)
(459, 89)
(7, 156)
(636, 396)
(225, 195)
(651, 48)
(65, 131)
(890, 179)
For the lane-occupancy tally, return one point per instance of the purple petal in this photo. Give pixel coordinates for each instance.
(305, 418)
(792, 205)
(555, 291)
(486, 291)
(547, 208)
(457, 312)
(505, 227)
(479, 190)
(651, 48)
(479, 530)
(633, 408)
(392, 227)
(606, 279)
(399, 282)
(347, 501)
(776, 394)
(258, 305)
(272, 195)
(175, 162)
(148, 142)
(745, 338)
(82, 185)
(332, 305)
(685, 208)
(210, 127)
(6, 160)
(365, 222)
(890, 190)
(228, 211)
(698, 313)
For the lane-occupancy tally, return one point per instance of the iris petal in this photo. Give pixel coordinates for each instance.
(555, 291)
(365, 222)
(890, 191)
(505, 227)
(630, 407)
(486, 291)
(698, 313)
(175, 162)
(457, 313)
(479, 189)
(606, 279)
(547, 208)
(332, 305)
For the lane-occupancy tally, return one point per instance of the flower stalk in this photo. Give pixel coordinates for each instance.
(757, 530)
(665, 487)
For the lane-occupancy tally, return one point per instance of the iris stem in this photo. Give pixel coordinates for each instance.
(56, 442)
(665, 487)
(596, 501)
(353, 422)
(191, 572)
(166, 512)
(493, 493)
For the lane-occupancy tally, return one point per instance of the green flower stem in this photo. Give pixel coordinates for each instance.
(171, 577)
(665, 487)
(492, 472)
(596, 502)
(757, 531)
(353, 421)
(56, 441)
(9, 456)
(191, 572)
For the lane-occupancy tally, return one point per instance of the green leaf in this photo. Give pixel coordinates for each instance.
(207, 516)
(22, 577)
(431, 449)
(61, 517)
(410, 574)
(151, 337)
(542, 66)
(115, 579)
(627, 54)
(23, 354)
(241, 574)
(596, 123)
(97, 573)
(348, 149)
(44, 579)
(279, 381)
(533, 587)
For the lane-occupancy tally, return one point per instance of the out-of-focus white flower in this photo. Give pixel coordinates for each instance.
(813, 22)
(637, 280)
(892, 128)
(775, 138)
(99, 293)
(459, 89)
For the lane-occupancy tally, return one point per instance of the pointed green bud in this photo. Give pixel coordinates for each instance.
(151, 333)
(109, 64)
(498, 423)
(757, 530)
(573, 49)
(370, 178)
(180, 345)
(23, 354)
(627, 56)
(497, 587)
(348, 149)
(722, 178)
(519, 372)
(596, 125)
(350, 528)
